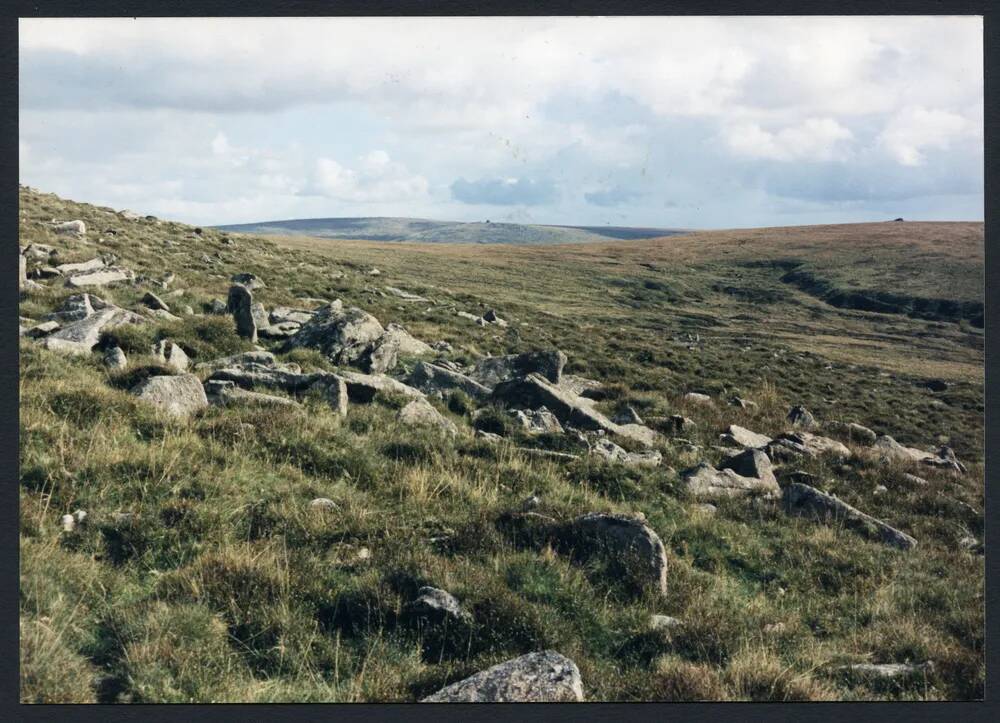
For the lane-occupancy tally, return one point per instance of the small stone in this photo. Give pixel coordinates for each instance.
(697, 398)
(114, 358)
(531, 503)
(68, 523)
(663, 622)
(323, 503)
(801, 418)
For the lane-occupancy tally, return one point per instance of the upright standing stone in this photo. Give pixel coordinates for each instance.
(22, 273)
(240, 305)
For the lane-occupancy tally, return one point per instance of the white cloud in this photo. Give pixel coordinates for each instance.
(376, 178)
(815, 139)
(914, 129)
(220, 144)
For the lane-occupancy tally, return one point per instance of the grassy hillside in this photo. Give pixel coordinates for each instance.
(221, 583)
(425, 231)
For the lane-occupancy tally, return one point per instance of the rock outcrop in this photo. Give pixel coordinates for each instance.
(628, 540)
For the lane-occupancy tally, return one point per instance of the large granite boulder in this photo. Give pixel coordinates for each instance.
(544, 677)
(705, 482)
(434, 378)
(627, 540)
(493, 370)
(178, 396)
(343, 335)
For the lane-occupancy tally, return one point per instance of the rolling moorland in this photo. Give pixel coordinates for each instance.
(345, 510)
(426, 231)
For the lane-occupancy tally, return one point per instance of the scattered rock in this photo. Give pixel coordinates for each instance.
(280, 314)
(805, 501)
(437, 605)
(420, 413)
(103, 277)
(705, 482)
(679, 424)
(336, 395)
(861, 434)
(323, 503)
(629, 416)
(741, 437)
(362, 388)
(751, 463)
(491, 371)
(250, 281)
(611, 452)
(629, 539)
(343, 335)
(742, 403)
(705, 508)
(70, 269)
(240, 305)
(432, 378)
(534, 391)
(801, 418)
(937, 385)
(888, 671)
(217, 306)
(696, 398)
(791, 445)
(531, 503)
(114, 358)
(404, 295)
(71, 228)
(545, 677)
(22, 271)
(170, 354)
(913, 479)
(80, 337)
(179, 396)
(227, 394)
(664, 623)
(43, 329)
(259, 314)
(537, 421)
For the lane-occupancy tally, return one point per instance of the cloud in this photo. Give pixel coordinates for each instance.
(503, 191)
(813, 139)
(914, 130)
(375, 178)
(615, 196)
(729, 117)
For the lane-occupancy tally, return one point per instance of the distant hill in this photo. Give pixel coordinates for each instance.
(427, 231)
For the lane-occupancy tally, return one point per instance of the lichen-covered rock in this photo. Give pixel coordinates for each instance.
(544, 677)
(433, 377)
(179, 396)
(751, 463)
(114, 358)
(420, 413)
(801, 418)
(436, 605)
(805, 501)
(343, 335)
(608, 450)
(240, 305)
(496, 369)
(170, 354)
(705, 482)
(534, 391)
(741, 437)
(82, 336)
(629, 539)
(536, 421)
(227, 394)
(71, 228)
(99, 277)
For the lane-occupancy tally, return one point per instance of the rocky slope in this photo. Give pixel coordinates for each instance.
(256, 473)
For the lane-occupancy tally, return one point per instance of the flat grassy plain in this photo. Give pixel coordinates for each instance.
(224, 585)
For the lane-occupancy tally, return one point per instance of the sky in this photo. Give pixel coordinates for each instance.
(695, 122)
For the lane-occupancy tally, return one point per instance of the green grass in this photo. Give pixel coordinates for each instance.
(226, 586)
